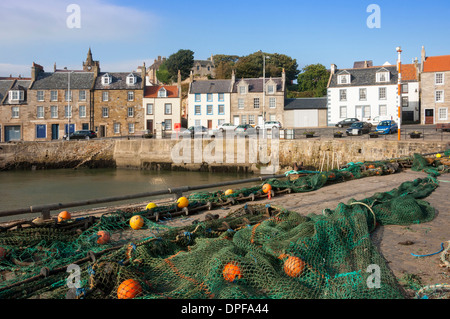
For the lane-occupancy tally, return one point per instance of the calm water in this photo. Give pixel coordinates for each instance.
(21, 189)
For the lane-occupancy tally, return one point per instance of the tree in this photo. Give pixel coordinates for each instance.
(183, 60)
(224, 65)
(314, 79)
(162, 74)
(251, 66)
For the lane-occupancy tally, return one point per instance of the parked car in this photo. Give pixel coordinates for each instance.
(359, 128)
(377, 119)
(81, 135)
(269, 125)
(387, 127)
(347, 122)
(194, 131)
(245, 129)
(226, 127)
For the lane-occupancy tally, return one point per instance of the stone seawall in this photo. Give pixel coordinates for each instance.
(57, 154)
(205, 155)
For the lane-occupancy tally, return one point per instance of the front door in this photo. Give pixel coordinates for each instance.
(358, 112)
(209, 124)
(102, 131)
(150, 126)
(236, 120)
(429, 116)
(55, 131)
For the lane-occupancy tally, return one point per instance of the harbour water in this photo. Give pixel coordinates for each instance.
(22, 189)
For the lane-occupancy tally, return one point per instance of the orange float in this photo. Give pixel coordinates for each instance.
(64, 215)
(136, 222)
(231, 272)
(294, 266)
(103, 237)
(228, 192)
(182, 202)
(267, 188)
(129, 289)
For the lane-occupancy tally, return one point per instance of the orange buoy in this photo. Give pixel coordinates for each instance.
(231, 272)
(294, 266)
(103, 237)
(182, 202)
(64, 215)
(136, 222)
(228, 192)
(129, 289)
(267, 188)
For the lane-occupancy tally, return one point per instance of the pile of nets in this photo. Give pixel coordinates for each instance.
(257, 251)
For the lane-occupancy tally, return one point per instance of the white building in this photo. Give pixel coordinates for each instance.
(162, 104)
(209, 103)
(369, 91)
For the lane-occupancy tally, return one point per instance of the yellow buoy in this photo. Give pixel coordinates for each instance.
(136, 222)
(438, 155)
(228, 192)
(150, 206)
(182, 202)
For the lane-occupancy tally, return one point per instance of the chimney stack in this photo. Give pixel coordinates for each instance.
(333, 69)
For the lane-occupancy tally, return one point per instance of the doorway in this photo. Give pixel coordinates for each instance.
(55, 131)
(429, 116)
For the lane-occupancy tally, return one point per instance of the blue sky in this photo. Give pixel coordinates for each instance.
(124, 34)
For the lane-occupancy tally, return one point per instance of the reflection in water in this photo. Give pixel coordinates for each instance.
(21, 189)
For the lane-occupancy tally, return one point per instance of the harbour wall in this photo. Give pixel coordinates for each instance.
(234, 155)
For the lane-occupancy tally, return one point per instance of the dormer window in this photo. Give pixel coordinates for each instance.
(344, 78)
(106, 79)
(162, 92)
(131, 79)
(16, 96)
(383, 76)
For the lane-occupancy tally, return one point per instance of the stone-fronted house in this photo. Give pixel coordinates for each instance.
(152, 69)
(162, 104)
(209, 103)
(58, 102)
(435, 88)
(257, 99)
(118, 103)
(204, 68)
(13, 108)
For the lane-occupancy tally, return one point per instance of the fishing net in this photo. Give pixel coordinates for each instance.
(257, 251)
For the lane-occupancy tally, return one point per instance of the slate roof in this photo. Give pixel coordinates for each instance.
(306, 103)
(5, 85)
(119, 81)
(59, 80)
(365, 76)
(211, 86)
(256, 84)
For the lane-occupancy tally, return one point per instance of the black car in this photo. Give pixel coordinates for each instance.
(81, 135)
(347, 122)
(359, 128)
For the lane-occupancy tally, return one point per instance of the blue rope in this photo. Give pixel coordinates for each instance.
(442, 248)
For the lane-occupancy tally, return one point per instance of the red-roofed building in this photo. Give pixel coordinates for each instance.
(162, 104)
(435, 88)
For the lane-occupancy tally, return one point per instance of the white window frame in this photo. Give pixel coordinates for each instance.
(131, 79)
(162, 92)
(105, 112)
(444, 111)
(130, 128)
(168, 108)
(441, 82)
(270, 89)
(149, 109)
(39, 112)
(241, 103)
(15, 113)
(82, 111)
(382, 110)
(67, 97)
(54, 111)
(363, 94)
(130, 96)
(53, 95)
(343, 95)
(382, 89)
(16, 95)
(116, 128)
(343, 111)
(441, 96)
(40, 96)
(344, 79)
(82, 95)
(106, 79)
(383, 76)
(68, 111)
(105, 96)
(256, 103)
(272, 102)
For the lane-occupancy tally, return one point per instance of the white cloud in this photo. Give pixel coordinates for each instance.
(45, 22)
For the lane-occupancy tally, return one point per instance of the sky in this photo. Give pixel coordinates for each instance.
(124, 34)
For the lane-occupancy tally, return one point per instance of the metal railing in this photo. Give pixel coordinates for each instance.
(178, 191)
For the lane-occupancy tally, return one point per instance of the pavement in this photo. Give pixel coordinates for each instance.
(422, 239)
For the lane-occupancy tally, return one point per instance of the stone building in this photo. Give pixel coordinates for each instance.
(58, 102)
(117, 103)
(204, 68)
(435, 88)
(254, 101)
(13, 108)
